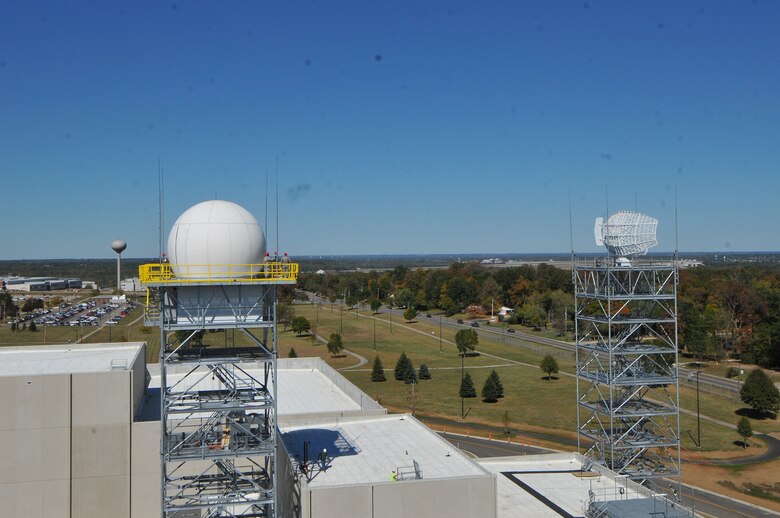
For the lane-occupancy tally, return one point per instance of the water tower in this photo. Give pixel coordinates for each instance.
(118, 246)
(218, 404)
(626, 331)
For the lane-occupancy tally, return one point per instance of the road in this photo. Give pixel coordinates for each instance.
(708, 382)
(701, 501)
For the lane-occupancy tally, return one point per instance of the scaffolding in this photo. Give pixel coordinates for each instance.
(218, 404)
(626, 355)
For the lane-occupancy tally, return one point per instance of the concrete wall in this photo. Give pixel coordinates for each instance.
(100, 444)
(67, 445)
(35, 433)
(140, 380)
(462, 497)
(145, 470)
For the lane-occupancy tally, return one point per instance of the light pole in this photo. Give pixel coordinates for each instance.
(462, 410)
(698, 415)
(374, 317)
(440, 344)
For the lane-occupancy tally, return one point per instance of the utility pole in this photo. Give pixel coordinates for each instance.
(462, 404)
(440, 342)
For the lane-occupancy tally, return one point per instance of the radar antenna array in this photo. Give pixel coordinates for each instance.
(626, 233)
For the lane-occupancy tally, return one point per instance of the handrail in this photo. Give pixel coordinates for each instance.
(166, 273)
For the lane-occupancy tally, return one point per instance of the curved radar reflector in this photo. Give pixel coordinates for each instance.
(626, 233)
(597, 231)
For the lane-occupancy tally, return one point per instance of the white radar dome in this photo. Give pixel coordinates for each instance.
(217, 233)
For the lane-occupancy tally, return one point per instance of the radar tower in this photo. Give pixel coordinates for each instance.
(218, 404)
(626, 354)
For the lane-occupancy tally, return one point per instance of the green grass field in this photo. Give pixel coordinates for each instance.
(529, 399)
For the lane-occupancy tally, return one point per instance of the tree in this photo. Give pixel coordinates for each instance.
(284, 314)
(378, 371)
(300, 325)
(31, 304)
(404, 298)
(335, 344)
(410, 375)
(466, 340)
(33, 327)
(549, 365)
(400, 367)
(375, 305)
(409, 314)
(744, 430)
(497, 383)
(424, 373)
(350, 301)
(7, 306)
(760, 393)
(292, 354)
(467, 387)
(490, 390)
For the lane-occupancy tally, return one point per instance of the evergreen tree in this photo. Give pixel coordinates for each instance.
(33, 327)
(760, 393)
(744, 430)
(490, 390)
(410, 375)
(378, 372)
(292, 354)
(400, 367)
(424, 374)
(467, 387)
(497, 382)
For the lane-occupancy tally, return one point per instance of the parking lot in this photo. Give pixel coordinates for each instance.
(87, 313)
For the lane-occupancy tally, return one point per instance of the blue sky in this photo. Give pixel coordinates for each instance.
(400, 127)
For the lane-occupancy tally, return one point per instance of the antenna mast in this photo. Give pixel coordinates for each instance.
(160, 198)
(277, 204)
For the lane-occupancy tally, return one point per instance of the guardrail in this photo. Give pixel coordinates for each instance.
(179, 274)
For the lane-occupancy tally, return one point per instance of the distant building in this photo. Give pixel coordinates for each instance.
(131, 284)
(40, 283)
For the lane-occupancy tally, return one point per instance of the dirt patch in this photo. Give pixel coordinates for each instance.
(707, 477)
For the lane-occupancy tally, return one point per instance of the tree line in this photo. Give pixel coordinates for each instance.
(723, 310)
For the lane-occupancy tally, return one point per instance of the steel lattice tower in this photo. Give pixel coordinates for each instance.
(626, 331)
(218, 406)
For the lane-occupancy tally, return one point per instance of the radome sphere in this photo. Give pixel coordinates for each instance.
(216, 233)
(118, 245)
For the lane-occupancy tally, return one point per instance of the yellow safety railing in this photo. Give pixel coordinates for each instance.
(165, 273)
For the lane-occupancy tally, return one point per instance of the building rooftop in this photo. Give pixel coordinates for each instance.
(555, 485)
(309, 389)
(67, 359)
(368, 450)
